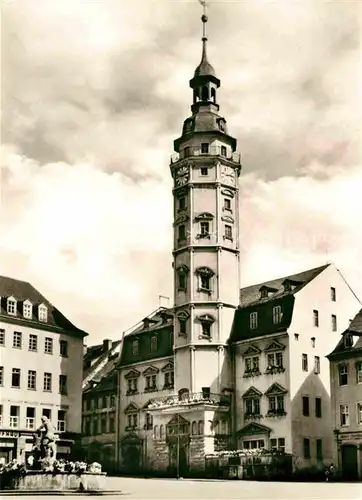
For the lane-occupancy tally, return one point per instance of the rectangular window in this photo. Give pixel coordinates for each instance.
(112, 422)
(132, 420)
(14, 416)
(182, 203)
(281, 444)
(153, 344)
(204, 228)
(135, 347)
(61, 424)
(63, 384)
(1, 415)
(33, 342)
(205, 282)
(182, 232)
(223, 151)
(104, 402)
(1, 375)
(32, 380)
(228, 232)
(315, 317)
(227, 204)
(48, 345)
(319, 449)
(318, 407)
(15, 377)
(11, 307)
(344, 413)
(204, 148)
(30, 418)
(305, 362)
(313, 341)
(47, 412)
(305, 405)
(187, 151)
(343, 374)
(17, 340)
(182, 325)
(279, 359)
(47, 385)
(104, 423)
(277, 314)
(334, 323)
(63, 348)
(359, 413)
(317, 365)
(2, 336)
(306, 448)
(333, 294)
(253, 320)
(204, 171)
(27, 310)
(359, 372)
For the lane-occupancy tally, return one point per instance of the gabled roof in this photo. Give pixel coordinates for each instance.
(23, 291)
(251, 294)
(354, 335)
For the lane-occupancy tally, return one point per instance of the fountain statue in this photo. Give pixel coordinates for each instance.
(44, 445)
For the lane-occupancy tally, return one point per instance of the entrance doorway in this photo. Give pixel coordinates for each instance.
(349, 461)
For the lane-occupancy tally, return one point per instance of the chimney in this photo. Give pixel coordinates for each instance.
(107, 345)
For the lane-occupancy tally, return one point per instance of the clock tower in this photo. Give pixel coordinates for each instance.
(205, 169)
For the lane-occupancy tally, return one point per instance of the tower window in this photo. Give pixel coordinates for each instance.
(333, 294)
(227, 204)
(223, 150)
(204, 147)
(204, 228)
(182, 232)
(305, 362)
(315, 317)
(213, 94)
(334, 323)
(205, 275)
(187, 151)
(182, 324)
(204, 171)
(181, 281)
(182, 203)
(205, 94)
(206, 328)
(228, 232)
(205, 282)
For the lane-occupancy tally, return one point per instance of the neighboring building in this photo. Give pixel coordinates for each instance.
(346, 388)
(146, 368)
(41, 370)
(282, 332)
(99, 410)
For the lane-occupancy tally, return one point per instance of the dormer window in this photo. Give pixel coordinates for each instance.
(153, 344)
(253, 320)
(266, 291)
(27, 309)
(11, 306)
(135, 348)
(277, 314)
(43, 313)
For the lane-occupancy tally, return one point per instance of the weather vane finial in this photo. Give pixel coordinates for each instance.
(203, 18)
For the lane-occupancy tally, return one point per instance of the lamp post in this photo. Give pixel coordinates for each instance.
(178, 448)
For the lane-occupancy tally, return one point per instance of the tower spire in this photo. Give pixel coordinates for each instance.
(204, 68)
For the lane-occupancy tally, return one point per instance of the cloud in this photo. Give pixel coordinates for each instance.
(94, 93)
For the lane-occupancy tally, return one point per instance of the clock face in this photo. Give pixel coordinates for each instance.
(228, 175)
(180, 181)
(182, 175)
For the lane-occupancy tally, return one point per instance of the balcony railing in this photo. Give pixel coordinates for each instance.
(190, 151)
(194, 398)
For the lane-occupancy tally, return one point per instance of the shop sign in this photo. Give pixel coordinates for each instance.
(9, 434)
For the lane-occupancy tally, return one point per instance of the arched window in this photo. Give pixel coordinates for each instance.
(200, 427)
(204, 94)
(194, 428)
(162, 431)
(216, 427)
(213, 94)
(155, 432)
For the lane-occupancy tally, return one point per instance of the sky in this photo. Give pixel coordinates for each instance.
(95, 92)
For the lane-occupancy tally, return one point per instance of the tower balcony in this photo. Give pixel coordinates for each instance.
(189, 401)
(192, 151)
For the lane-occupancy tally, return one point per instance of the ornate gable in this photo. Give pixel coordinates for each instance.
(253, 429)
(151, 370)
(252, 350)
(146, 405)
(252, 392)
(132, 374)
(131, 408)
(275, 346)
(177, 419)
(275, 389)
(168, 368)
